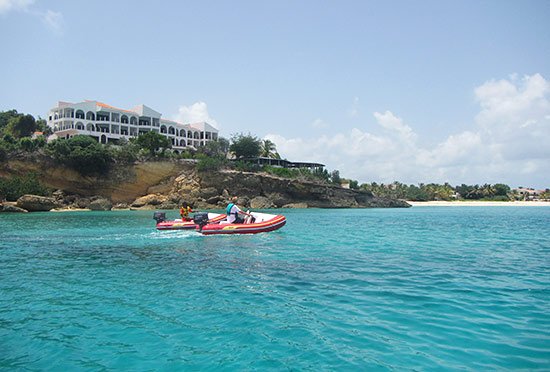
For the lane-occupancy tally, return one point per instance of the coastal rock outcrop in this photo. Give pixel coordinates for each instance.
(100, 204)
(261, 202)
(35, 203)
(151, 200)
(172, 183)
(11, 208)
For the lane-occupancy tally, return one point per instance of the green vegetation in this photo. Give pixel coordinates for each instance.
(433, 191)
(13, 188)
(82, 153)
(153, 142)
(20, 125)
(207, 163)
(245, 146)
(303, 174)
(269, 150)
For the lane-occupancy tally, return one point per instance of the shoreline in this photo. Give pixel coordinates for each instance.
(479, 203)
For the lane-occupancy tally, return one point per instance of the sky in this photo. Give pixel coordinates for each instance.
(410, 91)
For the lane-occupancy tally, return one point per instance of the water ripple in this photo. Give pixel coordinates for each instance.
(422, 288)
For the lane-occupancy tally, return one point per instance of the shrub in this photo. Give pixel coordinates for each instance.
(244, 166)
(82, 153)
(208, 163)
(282, 172)
(126, 153)
(27, 144)
(15, 187)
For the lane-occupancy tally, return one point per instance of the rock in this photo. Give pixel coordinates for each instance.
(35, 203)
(11, 208)
(214, 200)
(81, 203)
(100, 204)
(261, 202)
(151, 200)
(120, 206)
(279, 199)
(59, 196)
(167, 205)
(295, 205)
(208, 192)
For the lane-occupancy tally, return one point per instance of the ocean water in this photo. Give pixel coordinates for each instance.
(425, 288)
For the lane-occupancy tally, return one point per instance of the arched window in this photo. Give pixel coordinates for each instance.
(182, 143)
(80, 126)
(90, 115)
(171, 130)
(196, 135)
(183, 133)
(124, 119)
(163, 128)
(133, 120)
(80, 114)
(90, 127)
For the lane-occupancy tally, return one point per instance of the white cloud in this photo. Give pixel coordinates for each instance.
(52, 19)
(9, 5)
(319, 124)
(354, 110)
(195, 113)
(394, 124)
(507, 142)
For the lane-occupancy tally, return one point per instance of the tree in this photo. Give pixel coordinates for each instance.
(21, 126)
(335, 177)
(245, 146)
(82, 153)
(501, 189)
(153, 142)
(27, 144)
(42, 126)
(218, 148)
(269, 150)
(6, 116)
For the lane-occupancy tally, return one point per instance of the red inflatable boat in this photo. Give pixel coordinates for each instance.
(179, 224)
(263, 222)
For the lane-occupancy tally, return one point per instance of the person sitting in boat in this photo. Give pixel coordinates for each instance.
(184, 213)
(234, 212)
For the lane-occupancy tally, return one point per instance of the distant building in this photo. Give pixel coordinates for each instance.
(281, 163)
(528, 193)
(110, 124)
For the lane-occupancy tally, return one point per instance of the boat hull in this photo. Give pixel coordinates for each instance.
(272, 224)
(188, 225)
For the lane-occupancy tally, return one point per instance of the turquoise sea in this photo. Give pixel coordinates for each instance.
(425, 288)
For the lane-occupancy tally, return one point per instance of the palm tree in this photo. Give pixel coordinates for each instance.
(269, 150)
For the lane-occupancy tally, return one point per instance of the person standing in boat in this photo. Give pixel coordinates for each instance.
(234, 212)
(184, 213)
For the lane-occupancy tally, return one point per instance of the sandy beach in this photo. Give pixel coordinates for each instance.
(479, 204)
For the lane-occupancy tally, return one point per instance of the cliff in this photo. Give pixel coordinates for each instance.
(168, 184)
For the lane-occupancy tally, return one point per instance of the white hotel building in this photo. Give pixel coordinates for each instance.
(109, 124)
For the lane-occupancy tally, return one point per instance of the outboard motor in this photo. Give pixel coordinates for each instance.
(159, 217)
(200, 219)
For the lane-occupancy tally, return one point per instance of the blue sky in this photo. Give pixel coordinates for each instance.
(427, 91)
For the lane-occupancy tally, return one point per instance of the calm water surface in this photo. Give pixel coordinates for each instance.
(375, 289)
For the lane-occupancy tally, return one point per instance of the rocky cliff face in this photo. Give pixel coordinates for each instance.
(263, 191)
(169, 184)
